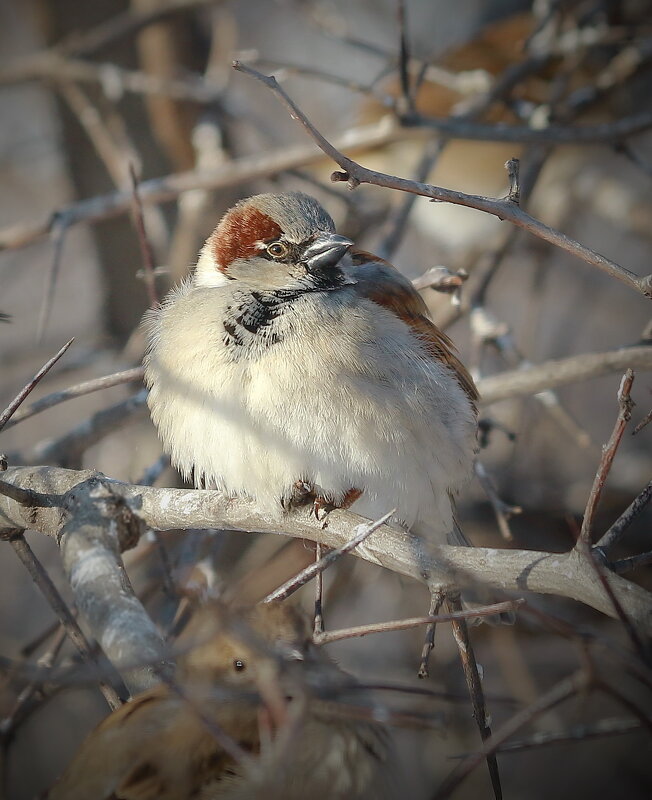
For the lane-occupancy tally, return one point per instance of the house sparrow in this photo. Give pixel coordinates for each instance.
(160, 746)
(292, 361)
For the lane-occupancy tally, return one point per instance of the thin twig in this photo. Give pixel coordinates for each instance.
(502, 510)
(291, 586)
(436, 601)
(318, 619)
(78, 390)
(20, 397)
(146, 251)
(627, 703)
(354, 174)
(566, 688)
(616, 531)
(58, 236)
(69, 447)
(470, 667)
(48, 589)
(20, 710)
(633, 562)
(404, 58)
(645, 421)
(27, 497)
(404, 624)
(625, 404)
(640, 647)
(550, 374)
(612, 726)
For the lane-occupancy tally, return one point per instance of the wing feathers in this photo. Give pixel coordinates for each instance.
(382, 283)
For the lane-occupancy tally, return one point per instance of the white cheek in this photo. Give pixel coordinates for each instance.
(206, 272)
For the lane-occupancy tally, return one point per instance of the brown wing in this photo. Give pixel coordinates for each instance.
(382, 283)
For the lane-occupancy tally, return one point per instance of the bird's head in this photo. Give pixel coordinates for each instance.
(274, 242)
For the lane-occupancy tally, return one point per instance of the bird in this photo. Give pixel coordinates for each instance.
(250, 676)
(293, 363)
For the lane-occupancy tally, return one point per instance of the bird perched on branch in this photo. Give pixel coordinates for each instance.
(293, 365)
(255, 712)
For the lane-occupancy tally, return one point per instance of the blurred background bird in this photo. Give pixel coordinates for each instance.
(255, 710)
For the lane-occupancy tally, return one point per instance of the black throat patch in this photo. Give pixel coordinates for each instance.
(252, 319)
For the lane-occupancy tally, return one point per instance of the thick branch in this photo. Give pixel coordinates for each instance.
(565, 575)
(97, 525)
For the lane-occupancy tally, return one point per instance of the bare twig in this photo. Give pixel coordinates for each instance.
(502, 510)
(560, 372)
(58, 236)
(232, 173)
(318, 618)
(20, 397)
(354, 174)
(436, 601)
(619, 527)
(307, 574)
(57, 604)
(470, 667)
(609, 450)
(28, 497)
(21, 707)
(633, 562)
(560, 692)
(612, 726)
(79, 390)
(407, 100)
(486, 328)
(645, 421)
(123, 24)
(404, 624)
(146, 252)
(69, 448)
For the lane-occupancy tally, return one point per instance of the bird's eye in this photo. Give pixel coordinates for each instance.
(277, 249)
(239, 666)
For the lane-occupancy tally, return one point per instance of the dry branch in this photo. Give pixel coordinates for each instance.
(79, 390)
(559, 372)
(503, 208)
(169, 187)
(565, 575)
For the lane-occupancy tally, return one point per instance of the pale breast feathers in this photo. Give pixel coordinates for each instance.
(377, 280)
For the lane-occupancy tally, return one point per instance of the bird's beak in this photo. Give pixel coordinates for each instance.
(326, 251)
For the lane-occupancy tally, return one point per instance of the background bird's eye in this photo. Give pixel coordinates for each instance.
(277, 249)
(239, 666)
